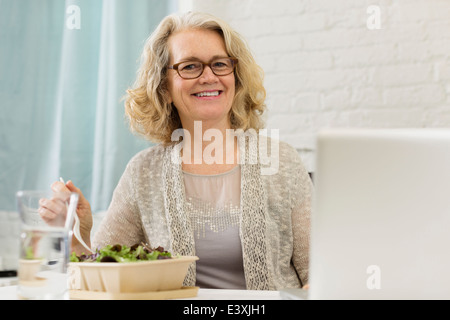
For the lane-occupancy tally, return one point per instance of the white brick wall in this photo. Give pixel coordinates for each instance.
(325, 68)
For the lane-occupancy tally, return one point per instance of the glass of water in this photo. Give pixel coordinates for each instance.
(45, 244)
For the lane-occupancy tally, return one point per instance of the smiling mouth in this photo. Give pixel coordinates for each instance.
(208, 93)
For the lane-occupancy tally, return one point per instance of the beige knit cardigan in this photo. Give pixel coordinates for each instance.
(148, 205)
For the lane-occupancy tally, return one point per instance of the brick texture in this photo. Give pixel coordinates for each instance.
(324, 67)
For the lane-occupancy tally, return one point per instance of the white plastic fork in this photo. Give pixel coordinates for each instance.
(76, 227)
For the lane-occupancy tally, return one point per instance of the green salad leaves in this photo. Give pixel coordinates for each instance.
(122, 253)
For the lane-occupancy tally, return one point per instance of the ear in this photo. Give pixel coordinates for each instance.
(169, 99)
(164, 95)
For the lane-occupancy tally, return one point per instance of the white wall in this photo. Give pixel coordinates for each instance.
(326, 68)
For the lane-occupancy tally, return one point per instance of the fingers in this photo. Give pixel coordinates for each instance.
(82, 201)
(46, 214)
(83, 207)
(54, 205)
(59, 186)
(60, 191)
(52, 211)
(71, 187)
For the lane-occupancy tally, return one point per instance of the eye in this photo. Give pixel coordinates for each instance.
(190, 66)
(221, 64)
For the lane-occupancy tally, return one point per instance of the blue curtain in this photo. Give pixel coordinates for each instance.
(64, 67)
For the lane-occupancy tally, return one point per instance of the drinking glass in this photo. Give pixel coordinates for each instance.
(45, 244)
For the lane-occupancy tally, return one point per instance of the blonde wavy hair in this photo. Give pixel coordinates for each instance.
(146, 104)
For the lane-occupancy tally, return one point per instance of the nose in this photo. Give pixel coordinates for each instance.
(208, 75)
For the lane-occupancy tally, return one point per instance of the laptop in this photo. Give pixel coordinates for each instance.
(381, 215)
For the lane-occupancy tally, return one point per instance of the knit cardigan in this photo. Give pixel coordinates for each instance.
(148, 205)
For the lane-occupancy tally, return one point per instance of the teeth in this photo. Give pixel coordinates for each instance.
(208, 94)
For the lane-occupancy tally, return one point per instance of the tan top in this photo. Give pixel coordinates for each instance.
(149, 204)
(213, 207)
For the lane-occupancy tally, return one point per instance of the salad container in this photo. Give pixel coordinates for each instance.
(122, 279)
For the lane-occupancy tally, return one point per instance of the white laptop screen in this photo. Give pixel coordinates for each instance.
(381, 217)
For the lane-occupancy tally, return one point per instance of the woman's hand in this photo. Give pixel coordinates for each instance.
(83, 211)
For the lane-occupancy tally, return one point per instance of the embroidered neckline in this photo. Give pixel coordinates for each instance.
(212, 175)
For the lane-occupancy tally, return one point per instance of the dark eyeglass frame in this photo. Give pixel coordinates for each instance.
(176, 65)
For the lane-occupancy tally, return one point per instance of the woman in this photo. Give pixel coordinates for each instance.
(200, 190)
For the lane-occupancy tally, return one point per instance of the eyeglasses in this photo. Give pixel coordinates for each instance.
(194, 69)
